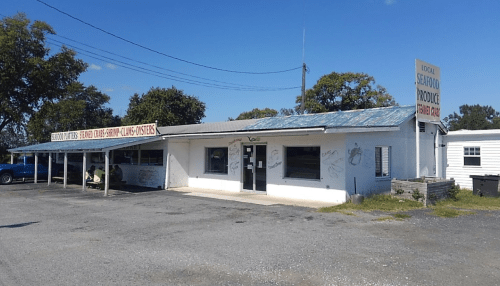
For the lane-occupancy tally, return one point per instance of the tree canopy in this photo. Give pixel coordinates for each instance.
(256, 113)
(29, 73)
(473, 117)
(80, 108)
(345, 91)
(169, 106)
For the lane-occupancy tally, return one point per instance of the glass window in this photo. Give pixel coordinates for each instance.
(126, 157)
(472, 156)
(302, 162)
(96, 157)
(383, 162)
(216, 160)
(152, 157)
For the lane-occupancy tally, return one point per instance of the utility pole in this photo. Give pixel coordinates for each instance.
(304, 69)
(302, 104)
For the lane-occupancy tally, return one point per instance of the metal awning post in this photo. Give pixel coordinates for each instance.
(49, 171)
(84, 171)
(36, 168)
(65, 169)
(106, 173)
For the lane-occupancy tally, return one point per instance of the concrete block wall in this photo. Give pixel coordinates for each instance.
(433, 189)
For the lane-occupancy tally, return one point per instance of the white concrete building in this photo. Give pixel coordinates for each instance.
(323, 157)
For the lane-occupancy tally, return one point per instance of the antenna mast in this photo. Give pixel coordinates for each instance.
(304, 68)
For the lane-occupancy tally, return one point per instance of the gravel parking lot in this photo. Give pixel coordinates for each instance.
(55, 236)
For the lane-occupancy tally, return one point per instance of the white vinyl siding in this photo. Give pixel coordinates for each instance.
(489, 145)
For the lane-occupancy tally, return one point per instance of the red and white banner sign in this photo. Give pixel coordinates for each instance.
(427, 79)
(142, 130)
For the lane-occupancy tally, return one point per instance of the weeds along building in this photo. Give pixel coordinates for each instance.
(324, 157)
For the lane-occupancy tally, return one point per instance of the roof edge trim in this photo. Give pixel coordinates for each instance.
(257, 132)
(362, 129)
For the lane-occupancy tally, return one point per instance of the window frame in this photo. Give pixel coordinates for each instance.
(148, 152)
(208, 167)
(286, 161)
(381, 162)
(467, 155)
(134, 156)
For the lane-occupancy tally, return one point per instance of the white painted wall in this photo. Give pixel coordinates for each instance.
(428, 153)
(329, 188)
(197, 176)
(343, 157)
(360, 154)
(487, 140)
(178, 163)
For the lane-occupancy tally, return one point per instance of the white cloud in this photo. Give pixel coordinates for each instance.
(108, 89)
(390, 2)
(111, 66)
(94, 67)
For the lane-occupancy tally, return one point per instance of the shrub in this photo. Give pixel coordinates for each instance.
(453, 192)
(417, 195)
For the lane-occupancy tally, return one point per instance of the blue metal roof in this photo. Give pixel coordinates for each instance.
(375, 117)
(84, 145)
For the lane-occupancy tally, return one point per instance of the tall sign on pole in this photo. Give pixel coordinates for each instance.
(427, 79)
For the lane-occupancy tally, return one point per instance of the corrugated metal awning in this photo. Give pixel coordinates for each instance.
(76, 146)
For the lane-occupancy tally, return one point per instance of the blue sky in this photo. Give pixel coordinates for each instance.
(379, 37)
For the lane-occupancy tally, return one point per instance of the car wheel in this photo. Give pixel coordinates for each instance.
(5, 178)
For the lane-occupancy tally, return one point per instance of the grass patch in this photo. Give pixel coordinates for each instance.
(376, 203)
(449, 212)
(466, 200)
(384, 218)
(401, 216)
(459, 204)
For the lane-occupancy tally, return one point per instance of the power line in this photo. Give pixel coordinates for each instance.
(167, 76)
(144, 63)
(161, 53)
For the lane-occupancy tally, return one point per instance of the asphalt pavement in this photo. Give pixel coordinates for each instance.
(56, 236)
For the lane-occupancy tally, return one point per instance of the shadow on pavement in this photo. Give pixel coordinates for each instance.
(18, 224)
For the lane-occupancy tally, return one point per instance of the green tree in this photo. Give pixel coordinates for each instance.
(29, 73)
(473, 117)
(80, 108)
(10, 137)
(289, 111)
(256, 113)
(345, 91)
(169, 106)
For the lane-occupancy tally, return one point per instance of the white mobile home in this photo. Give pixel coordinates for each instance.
(471, 152)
